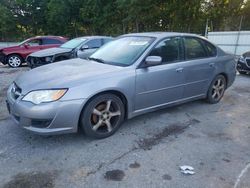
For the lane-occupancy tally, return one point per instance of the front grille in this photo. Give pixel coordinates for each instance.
(17, 118)
(16, 91)
(35, 61)
(248, 62)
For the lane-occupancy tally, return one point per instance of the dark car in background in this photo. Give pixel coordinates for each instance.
(14, 56)
(81, 47)
(243, 65)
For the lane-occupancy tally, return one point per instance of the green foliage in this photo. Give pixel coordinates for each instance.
(24, 18)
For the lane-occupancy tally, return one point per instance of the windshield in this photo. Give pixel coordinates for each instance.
(74, 43)
(23, 42)
(123, 51)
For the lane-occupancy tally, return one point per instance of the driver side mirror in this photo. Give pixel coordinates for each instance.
(84, 47)
(26, 45)
(153, 60)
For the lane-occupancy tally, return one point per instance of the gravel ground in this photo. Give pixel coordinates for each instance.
(146, 152)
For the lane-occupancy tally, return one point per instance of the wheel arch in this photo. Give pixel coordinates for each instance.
(7, 56)
(111, 91)
(225, 76)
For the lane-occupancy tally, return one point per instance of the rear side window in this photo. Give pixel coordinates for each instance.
(194, 48)
(95, 43)
(169, 50)
(211, 49)
(51, 41)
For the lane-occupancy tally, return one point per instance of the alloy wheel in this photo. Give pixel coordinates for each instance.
(105, 116)
(218, 89)
(14, 61)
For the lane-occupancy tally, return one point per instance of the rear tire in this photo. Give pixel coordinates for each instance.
(14, 61)
(102, 116)
(216, 89)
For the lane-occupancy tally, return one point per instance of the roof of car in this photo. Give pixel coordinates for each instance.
(49, 36)
(160, 34)
(92, 37)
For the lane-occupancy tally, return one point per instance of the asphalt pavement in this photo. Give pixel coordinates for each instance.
(146, 151)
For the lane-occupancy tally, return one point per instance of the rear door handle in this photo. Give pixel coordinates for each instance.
(211, 64)
(179, 70)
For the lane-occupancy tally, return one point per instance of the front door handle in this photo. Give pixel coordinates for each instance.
(179, 70)
(211, 64)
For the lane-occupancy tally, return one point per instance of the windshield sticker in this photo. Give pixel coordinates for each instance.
(138, 43)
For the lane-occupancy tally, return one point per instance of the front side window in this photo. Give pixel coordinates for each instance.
(194, 48)
(106, 40)
(123, 51)
(169, 50)
(35, 42)
(95, 43)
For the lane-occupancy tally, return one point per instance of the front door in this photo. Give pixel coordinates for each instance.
(161, 84)
(32, 46)
(92, 46)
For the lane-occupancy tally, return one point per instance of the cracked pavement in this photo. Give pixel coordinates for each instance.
(146, 151)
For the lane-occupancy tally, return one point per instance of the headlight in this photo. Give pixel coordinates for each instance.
(40, 96)
(48, 59)
(242, 59)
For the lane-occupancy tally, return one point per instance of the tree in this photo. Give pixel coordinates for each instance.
(7, 24)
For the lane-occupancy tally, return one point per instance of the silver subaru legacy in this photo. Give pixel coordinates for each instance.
(132, 75)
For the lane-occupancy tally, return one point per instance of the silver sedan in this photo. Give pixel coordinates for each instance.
(132, 75)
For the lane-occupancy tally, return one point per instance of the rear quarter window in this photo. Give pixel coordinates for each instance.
(211, 49)
(51, 41)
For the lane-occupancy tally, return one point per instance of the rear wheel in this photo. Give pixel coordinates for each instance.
(102, 116)
(14, 61)
(216, 89)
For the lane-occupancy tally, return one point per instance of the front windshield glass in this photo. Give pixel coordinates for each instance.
(74, 43)
(123, 51)
(23, 42)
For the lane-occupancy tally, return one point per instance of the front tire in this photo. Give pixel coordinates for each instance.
(14, 61)
(216, 89)
(102, 116)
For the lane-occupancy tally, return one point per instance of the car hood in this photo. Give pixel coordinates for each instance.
(64, 74)
(9, 48)
(50, 52)
(246, 54)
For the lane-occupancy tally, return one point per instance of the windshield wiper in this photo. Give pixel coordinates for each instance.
(97, 60)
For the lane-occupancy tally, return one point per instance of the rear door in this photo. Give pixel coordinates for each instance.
(161, 84)
(199, 66)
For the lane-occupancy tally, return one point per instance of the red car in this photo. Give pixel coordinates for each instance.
(14, 56)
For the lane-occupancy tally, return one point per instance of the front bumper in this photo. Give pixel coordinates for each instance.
(52, 118)
(34, 62)
(241, 66)
(3, 58)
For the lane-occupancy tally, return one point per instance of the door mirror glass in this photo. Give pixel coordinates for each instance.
(84, 47)
(153, 60)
